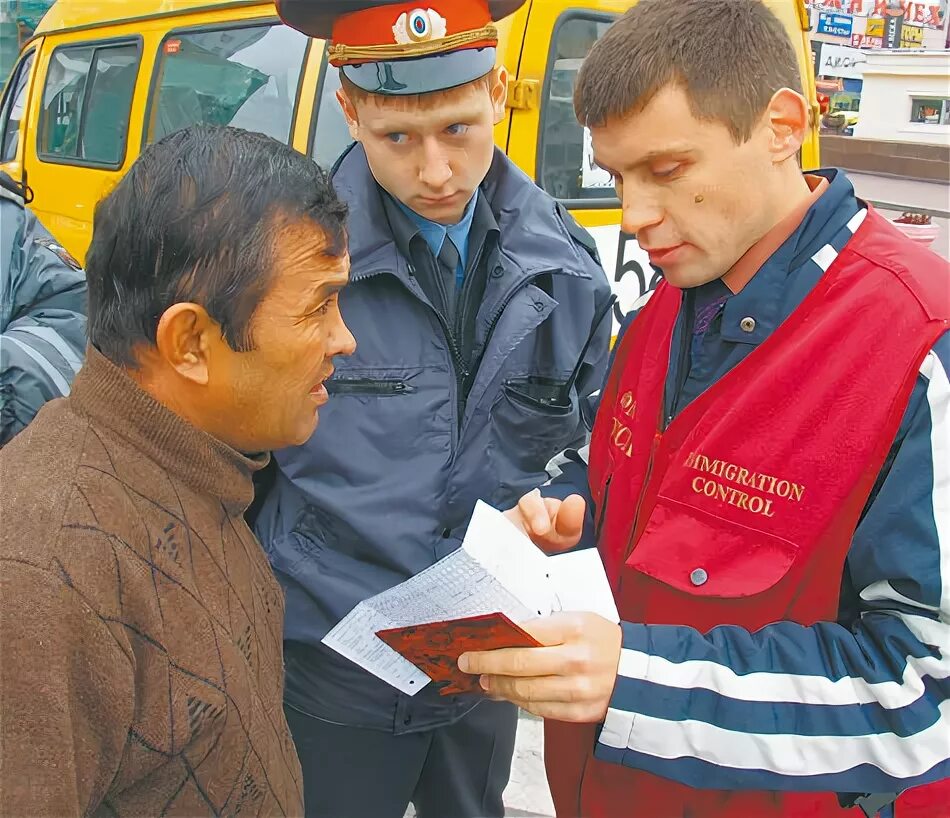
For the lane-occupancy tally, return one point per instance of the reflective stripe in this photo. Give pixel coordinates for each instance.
(825, 256)
(54, 339)
(938, 396)
(790, 755)
(51, 371)
(857, 219)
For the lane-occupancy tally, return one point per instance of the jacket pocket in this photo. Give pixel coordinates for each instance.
(530, 425)
(382, 387)
(691, 566)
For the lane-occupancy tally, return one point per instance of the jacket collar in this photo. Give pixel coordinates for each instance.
(763, 296)
(514, 199)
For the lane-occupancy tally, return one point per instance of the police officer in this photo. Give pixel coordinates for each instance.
(42, 313)
(479, 310)
(769, 469)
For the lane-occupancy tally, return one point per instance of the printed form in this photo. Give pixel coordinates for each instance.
(497, 569)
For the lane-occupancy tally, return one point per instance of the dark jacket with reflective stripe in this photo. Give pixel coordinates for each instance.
(408, 442)
(42, 316)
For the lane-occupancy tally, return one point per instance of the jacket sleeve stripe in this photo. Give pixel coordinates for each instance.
(54, 339)
(51, 372)
(792, 754)
(785, 687)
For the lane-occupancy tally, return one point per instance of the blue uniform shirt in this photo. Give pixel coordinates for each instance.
(435, 234)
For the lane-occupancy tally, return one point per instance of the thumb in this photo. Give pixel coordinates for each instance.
(569, 522)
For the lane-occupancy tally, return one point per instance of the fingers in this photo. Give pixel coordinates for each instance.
(513, 662)
(535, 513)
(563, 689)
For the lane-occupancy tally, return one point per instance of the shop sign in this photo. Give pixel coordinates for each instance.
(837, 25)
(866, 41)
(841, 61)
(912, 37)
(926, 13)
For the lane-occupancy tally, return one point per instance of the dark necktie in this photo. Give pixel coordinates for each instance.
(448, 264)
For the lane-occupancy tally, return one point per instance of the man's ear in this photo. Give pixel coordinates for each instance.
(787, 123)
(498, 88)
(184, 338)
(349, 113)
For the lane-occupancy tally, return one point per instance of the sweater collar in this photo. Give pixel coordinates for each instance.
(109, 397)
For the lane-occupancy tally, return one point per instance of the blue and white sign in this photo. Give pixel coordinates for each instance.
(837, 25)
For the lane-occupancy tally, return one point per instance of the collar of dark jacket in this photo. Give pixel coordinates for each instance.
(408, 235)
(762, 297)
(513, 199)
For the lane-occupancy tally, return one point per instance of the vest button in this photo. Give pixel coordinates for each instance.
(539, 306)
(747, 324)
(497, 272)
(698, 576)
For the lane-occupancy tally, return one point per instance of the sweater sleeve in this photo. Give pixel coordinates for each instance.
(858, 705)
(66, 696)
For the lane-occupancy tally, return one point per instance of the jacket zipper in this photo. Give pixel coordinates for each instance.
(368, 386)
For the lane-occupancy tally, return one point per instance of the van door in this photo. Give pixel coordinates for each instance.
(79, 124)
(14, 110)
(548, 143)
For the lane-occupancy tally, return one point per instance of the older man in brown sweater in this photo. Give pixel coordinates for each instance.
(140, 625)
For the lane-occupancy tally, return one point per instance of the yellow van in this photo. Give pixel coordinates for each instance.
(102, 79)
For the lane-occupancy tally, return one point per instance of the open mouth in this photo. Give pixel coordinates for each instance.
(319, 390)
(664, 255)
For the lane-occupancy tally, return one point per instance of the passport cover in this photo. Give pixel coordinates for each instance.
(435, 647)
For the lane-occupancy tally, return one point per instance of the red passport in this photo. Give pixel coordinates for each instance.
(435, 647)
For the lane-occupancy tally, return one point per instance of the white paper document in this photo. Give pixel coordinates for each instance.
(497, 569)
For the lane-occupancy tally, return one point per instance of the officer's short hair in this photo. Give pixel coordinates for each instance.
(198, 219)
(425, 102)
(730, 56)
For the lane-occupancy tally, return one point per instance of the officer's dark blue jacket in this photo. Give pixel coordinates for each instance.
(387, 484)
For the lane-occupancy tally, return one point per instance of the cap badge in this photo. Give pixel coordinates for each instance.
(419, 26)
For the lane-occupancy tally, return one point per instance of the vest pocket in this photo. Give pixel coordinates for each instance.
(703, 555)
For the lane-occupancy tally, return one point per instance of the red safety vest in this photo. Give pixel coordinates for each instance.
(742, 511)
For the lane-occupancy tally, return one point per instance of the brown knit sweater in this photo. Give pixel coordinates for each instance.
(140, 625)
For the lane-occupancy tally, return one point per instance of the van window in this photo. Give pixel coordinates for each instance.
(245, 77)
(331, 136)
(13, 105)
(86, 103)
(566, 170)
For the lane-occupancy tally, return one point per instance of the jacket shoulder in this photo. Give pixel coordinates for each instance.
(578, 234)
(919, 270)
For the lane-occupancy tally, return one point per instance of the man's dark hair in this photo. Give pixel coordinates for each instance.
(730, 57)
(197, 218)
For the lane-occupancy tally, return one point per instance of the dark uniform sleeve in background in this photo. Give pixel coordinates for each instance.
(42, 316)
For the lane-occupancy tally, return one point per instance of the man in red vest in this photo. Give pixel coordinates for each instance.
(769, 473)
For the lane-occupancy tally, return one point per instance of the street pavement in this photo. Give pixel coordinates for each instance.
(527, 795)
